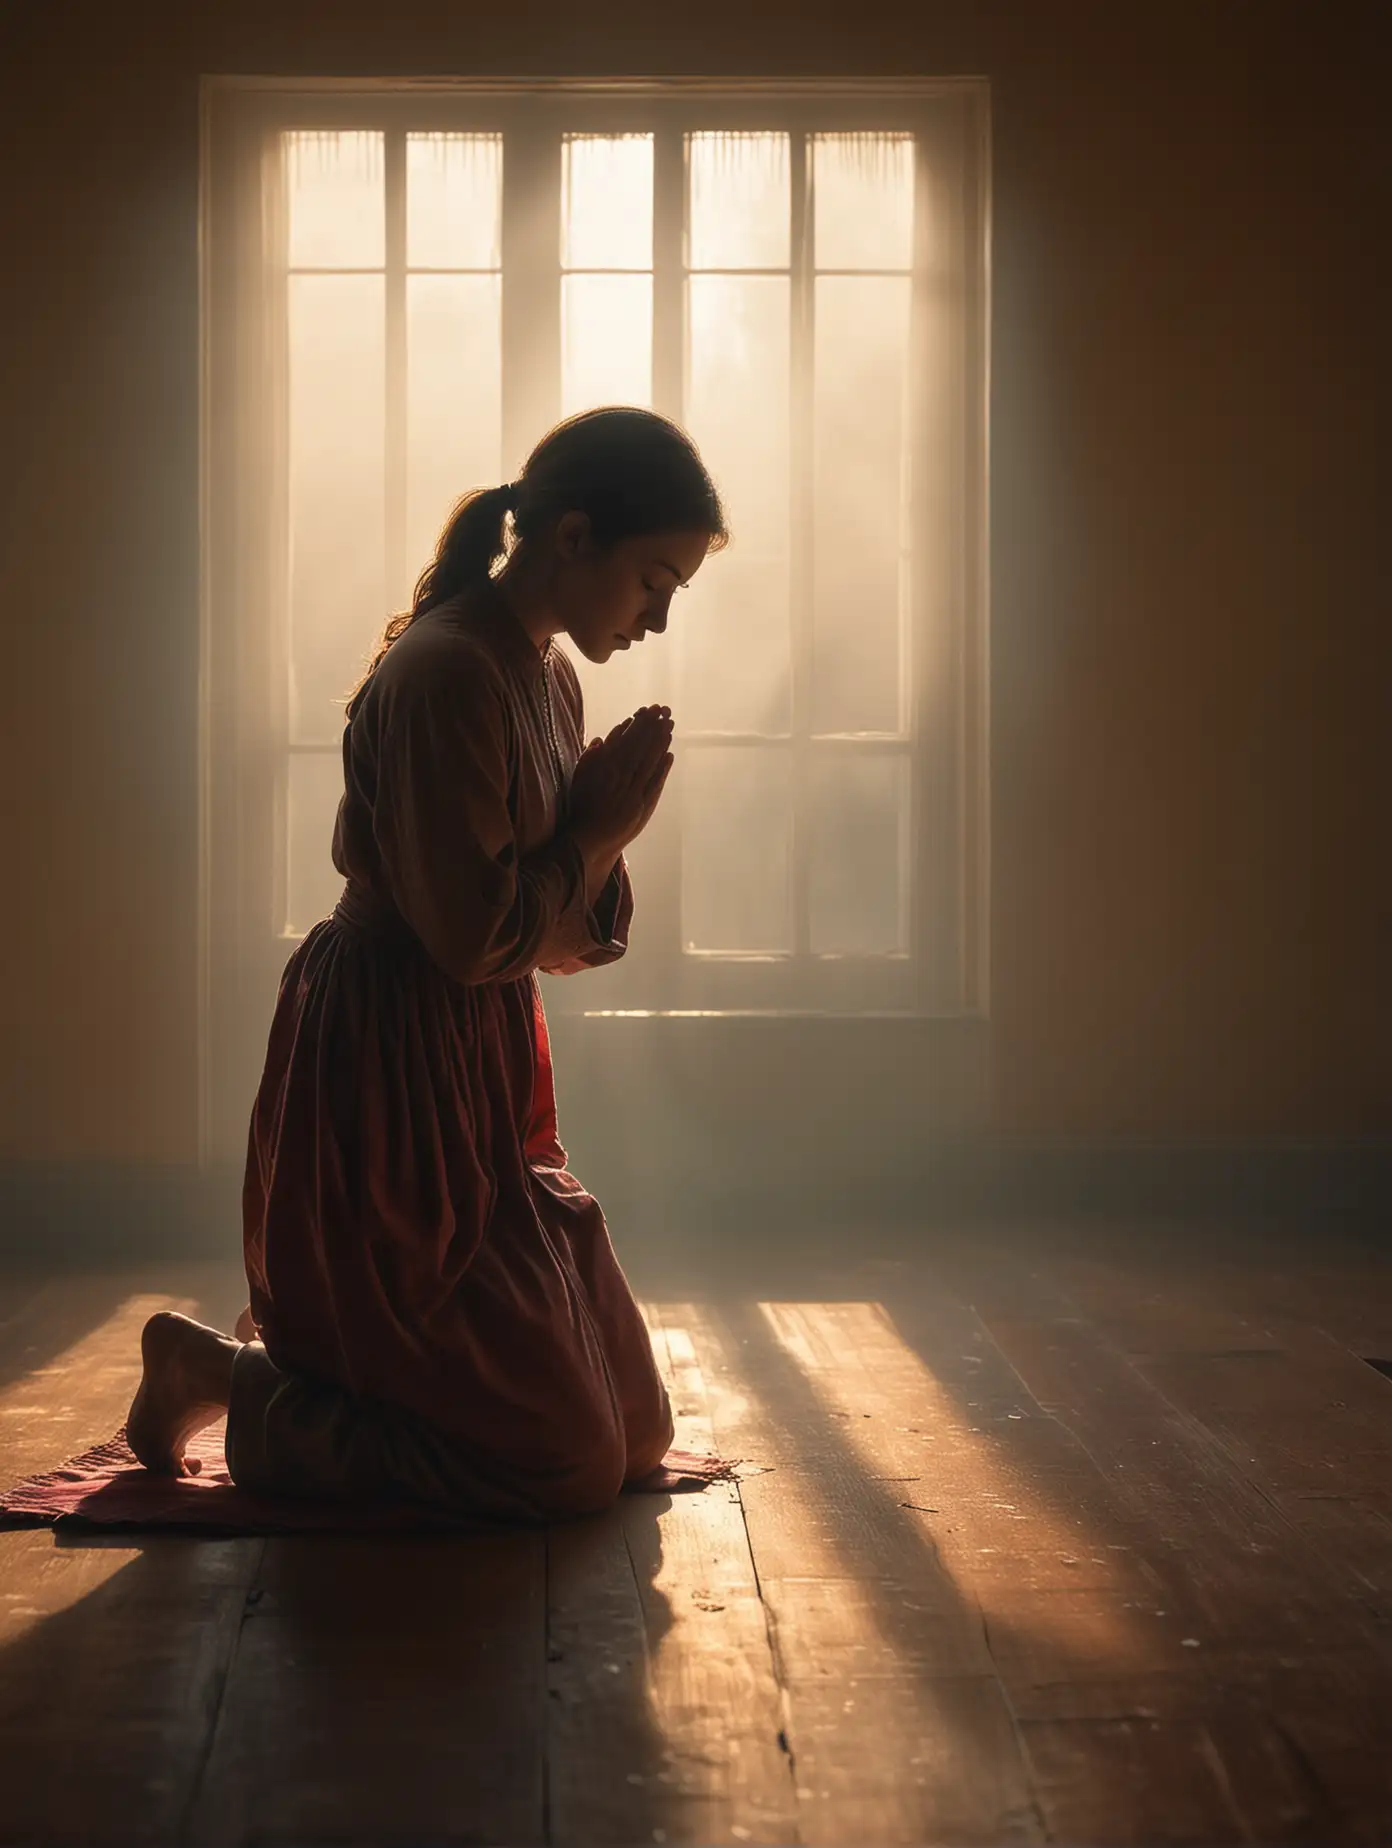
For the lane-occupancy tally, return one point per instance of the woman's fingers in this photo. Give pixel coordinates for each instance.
(648, 718)
(625, 731)
(642, 747)
(652, 795)
(658, 781)
(635, 758)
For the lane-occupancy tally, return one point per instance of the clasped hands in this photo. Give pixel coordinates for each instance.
(619, 780)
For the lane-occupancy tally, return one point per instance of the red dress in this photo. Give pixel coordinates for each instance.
(412, 1232)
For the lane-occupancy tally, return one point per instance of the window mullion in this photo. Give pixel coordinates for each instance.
(531, 252)
(803, 259)
(939, 939)
(271, 363)
(662, 882)
(669, 272)
(394, 194)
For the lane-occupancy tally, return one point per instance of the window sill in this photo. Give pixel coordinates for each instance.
(775, 1013)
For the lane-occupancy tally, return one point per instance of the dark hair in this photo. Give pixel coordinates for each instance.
(630, 472)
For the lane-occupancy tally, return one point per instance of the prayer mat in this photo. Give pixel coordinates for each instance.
(106, 1488)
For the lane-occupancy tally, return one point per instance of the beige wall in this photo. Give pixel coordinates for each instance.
(1189, 698)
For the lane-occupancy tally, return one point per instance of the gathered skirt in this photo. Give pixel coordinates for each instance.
(414, 1239)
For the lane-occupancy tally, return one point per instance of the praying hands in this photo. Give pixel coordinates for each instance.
(619, 780)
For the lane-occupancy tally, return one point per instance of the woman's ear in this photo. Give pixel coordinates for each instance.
(573, 535)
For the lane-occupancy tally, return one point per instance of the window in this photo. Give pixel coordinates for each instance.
(406, 288)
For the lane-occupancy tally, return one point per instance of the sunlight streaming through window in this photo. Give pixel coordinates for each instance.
(336, 422)
(606, 342)
(334, 200)
(737, 844)
(860, 487)
(606, 226)
(740, 189)
(397, 362)
(454, 353)
(606, 202)
(454, 202)
(863, 201)
(337, 455)
(738, 404)
(858, 858)
(900, 1419)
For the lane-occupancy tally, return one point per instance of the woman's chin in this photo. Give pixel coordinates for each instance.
(592, 651)
(598, 652)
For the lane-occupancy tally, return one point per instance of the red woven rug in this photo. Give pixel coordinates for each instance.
(106, 1487)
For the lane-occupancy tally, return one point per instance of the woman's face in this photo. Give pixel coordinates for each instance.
(609, 599)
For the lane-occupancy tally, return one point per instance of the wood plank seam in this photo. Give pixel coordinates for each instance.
(1037, 1816)
(1224, 1453)
(1325, 1800)
(776, 1656)
(741, 1329)
(1220, 1456)
(694, 1384)
(250, 1601)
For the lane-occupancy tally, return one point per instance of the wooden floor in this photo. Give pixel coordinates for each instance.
(1053, 1537)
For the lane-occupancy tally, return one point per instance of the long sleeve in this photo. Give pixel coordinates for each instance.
(608, 926)
(446, 838)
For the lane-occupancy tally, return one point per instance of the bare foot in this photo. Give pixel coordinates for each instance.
(184, 1388)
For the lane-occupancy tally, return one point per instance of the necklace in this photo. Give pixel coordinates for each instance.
(550, 716)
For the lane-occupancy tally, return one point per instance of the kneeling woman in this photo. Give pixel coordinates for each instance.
(438, 1312)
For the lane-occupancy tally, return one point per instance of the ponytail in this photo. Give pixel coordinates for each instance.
(471, 543)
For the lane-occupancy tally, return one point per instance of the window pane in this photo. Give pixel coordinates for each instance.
(454, 200)
(454, 399)
(316, 783)
(737, 825)
(337, 567)
(732, 627)
(606, 337)
(860, 460)
(739, 201)
(863, 190)
(335, 198)
(607, 202)
(857, 869)
(738, 395)
(730, 637)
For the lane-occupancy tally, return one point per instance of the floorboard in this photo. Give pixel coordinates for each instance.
(113, 1653)
(1351, 1301)
(1060, 1534)
(383, 1690)
(897, 1725)
(1295, 1413)
(17, 1290)
(664, 1720)
(1282, 1641)
(1089, 1653)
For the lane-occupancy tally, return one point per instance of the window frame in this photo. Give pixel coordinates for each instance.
(244, 615)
